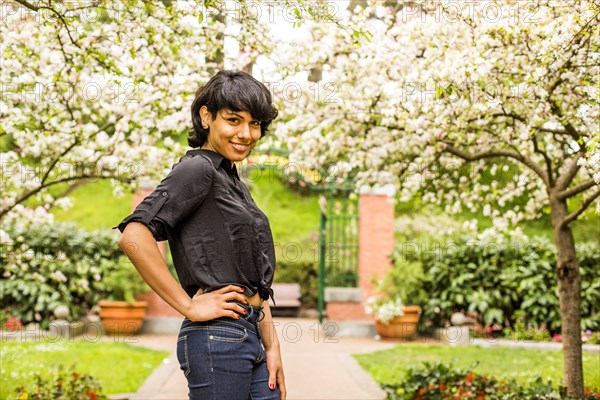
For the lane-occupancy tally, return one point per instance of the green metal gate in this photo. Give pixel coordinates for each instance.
(338, 241)
(338, 233)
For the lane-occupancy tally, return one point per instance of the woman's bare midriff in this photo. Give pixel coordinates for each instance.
(255, 300)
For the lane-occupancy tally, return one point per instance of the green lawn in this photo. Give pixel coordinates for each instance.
(389, 366)
(95, 207)
(120, 367)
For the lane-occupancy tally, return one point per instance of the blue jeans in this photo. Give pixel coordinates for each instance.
(224, 358)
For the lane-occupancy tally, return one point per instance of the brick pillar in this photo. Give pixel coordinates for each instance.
(375, 239)
(375, 245)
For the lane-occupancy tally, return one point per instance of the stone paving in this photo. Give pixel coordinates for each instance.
(316, 367)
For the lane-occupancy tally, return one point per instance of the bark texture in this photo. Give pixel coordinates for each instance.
(569, 292)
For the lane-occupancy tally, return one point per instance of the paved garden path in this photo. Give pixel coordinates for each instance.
(316, 368)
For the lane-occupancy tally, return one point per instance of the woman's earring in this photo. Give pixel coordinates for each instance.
(205, 126)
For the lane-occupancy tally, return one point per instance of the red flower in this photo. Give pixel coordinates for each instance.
(442, 386)
(75, 376)
(93, 396)
(470, 377)
(557, 337)
(13, 324)
(421, 391)
(430, 386)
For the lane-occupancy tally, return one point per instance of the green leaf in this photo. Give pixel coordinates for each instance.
(460, 299)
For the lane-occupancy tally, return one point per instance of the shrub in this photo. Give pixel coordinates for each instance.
(63, 385)
(50, 265)
(523, 332)
(589, 259)
(594, 338)
(401, 285)
(437, 381)
(502, 282)
(123, 283)
(405, 279)
(468, 277)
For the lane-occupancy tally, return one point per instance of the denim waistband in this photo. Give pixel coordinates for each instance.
(250, 320)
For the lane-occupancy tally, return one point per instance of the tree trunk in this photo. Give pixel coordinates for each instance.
(569, 292)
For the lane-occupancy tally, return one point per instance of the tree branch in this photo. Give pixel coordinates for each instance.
(549, 130)
(537, 149)
(568, 126)
(565, 180)
(26, 4)
(574, 215)
(500, 114)
(28, 194)
(75, 143)
(564, 194)
(89, 51)
(499, 153)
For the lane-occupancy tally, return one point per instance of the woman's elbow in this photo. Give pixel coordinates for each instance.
(133, 233)
(123, 240)
(128, 235)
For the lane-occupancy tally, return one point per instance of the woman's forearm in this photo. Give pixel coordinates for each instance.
(267, 328)
(273, 352)
(140, 246)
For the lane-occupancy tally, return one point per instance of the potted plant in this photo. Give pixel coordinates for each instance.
(393, 318)
(119, 310)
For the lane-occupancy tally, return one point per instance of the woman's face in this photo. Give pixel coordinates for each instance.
(232, 133)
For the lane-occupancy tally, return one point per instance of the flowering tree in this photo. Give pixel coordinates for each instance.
(100, 90)
(472, 104)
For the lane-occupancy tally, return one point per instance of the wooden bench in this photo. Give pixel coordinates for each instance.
(287, 296)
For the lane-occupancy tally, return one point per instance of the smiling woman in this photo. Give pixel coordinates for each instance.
(236, 133)
(221, 244)
(237, 109)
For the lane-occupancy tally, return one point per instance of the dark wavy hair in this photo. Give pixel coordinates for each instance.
(235, 91)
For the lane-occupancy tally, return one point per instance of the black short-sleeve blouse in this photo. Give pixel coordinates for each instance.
(217, 234)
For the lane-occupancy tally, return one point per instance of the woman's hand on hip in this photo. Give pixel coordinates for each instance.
(215, 304)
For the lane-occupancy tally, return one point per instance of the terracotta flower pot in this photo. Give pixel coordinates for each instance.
(121, 317)
(403, 327)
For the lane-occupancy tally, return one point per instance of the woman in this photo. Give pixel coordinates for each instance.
(221, 245)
